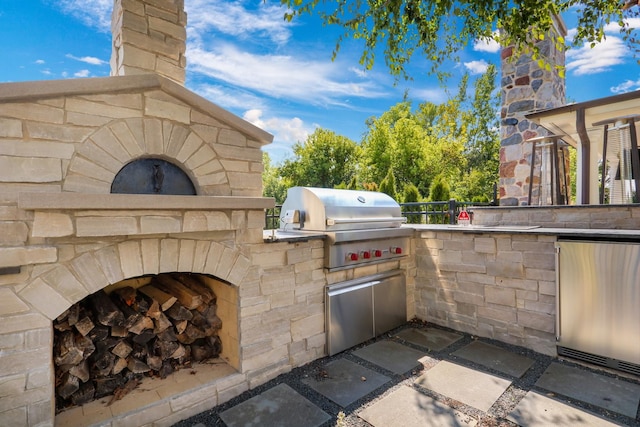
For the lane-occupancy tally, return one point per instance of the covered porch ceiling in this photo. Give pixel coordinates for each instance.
(582, 125)
(577, 120)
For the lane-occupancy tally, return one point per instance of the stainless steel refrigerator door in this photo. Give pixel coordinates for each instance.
(599, 298)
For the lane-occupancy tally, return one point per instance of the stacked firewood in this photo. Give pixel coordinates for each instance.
(105, 344)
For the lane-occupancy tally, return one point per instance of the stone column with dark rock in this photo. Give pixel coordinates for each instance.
(526, 87)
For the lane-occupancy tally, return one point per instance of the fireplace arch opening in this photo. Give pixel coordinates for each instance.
(152, 175)
(140, 331)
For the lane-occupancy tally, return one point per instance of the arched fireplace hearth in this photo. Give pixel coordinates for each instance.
(142, 330)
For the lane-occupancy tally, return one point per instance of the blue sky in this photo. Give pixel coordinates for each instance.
(243, 56)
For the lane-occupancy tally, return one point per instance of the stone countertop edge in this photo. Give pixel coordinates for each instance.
(274, 236)
(83, 201)
(532, 230)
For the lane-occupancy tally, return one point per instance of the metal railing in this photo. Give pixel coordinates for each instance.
(416, 212)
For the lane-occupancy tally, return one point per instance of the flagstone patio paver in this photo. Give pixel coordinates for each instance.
(407, 407)
(474, 388)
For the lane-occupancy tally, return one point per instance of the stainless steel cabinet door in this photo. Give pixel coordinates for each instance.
(599, 298)
(349, 316)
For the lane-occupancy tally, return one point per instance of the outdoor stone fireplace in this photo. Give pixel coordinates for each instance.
(64, 236)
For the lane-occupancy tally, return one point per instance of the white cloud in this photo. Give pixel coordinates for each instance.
(586, 60)
(612, 28)
(486, 45)
(289, 131)
(286, 132)
(237, 19)
(40, 61)
(626, 86)
(87, 59)
(235, 99)
(82, 73)
(278, 76)
(476, 67)
(435, 96)
(358, 72)
(94, 13)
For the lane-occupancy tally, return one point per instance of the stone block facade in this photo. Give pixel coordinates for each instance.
(500, 286)
(149, 36)
(583, 217)
(65, 237)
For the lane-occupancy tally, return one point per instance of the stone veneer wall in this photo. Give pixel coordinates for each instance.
(526, 87)
(63, 236)
(61, 144)
(621, 217)
(77, 135)
(494, 285)
(149, 36)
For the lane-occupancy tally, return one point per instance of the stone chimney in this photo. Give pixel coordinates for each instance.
(149, 36)
(526, 88)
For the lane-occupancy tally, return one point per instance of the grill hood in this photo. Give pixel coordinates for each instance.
(325, 209)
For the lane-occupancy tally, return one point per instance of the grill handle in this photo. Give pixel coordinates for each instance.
(335, 221)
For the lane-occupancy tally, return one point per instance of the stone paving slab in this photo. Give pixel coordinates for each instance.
(471, 387)
(430, 338)
(407, 407)
(536, 410)
(278, 406)
(496, 358)
(599, 390)
(391, 356)
(346, 381)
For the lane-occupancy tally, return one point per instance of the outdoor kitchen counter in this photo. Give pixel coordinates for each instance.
(273, 236)
(599, 233)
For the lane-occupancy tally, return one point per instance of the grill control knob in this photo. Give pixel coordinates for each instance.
(366, 254)
(352, 256)
(377, 253)
(396, 250)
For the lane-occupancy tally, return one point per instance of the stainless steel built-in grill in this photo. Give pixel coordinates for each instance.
(361, 228)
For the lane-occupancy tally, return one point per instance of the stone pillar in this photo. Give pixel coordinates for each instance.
(526, 87)
(149, 36)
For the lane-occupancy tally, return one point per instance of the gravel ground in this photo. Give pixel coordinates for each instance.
(348, 417)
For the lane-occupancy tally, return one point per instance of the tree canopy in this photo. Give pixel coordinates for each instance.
(405, 150)
(325, 159)
(440, 29)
